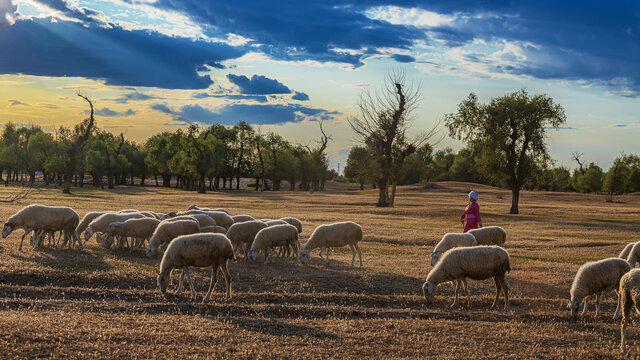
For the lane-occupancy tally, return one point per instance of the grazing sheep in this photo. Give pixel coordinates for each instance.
(223, 219)
(490, 235)
(87, 219)
(450, 241)
(168, 230)
(199, 250)
(127, 211)
(624, 254)
(100, 224)
(138, 229)
(202, 219)
(293, 221)
(333, 235)
(477, 263)
(595, 278)
(242, 234)
(195, 207)
(242, 218)
(276, 222)
(634, 254)
(267, 238)
(629, 292)
(213, 229)
(51, 218)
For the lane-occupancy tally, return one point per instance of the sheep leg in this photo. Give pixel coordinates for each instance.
(193, 288)
(456, 291)
(498, 291)
(26, 232)
(617, 313)
(353, 254)
(326, 254)
(212, 284)
(320, 254)
(584, 310)
(597, 306)
(505, 291)
(359, 253)
(466, 291)
(227, 279)
(180, 281)
(623, 327)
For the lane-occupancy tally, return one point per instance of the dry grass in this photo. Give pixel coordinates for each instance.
(101, 304)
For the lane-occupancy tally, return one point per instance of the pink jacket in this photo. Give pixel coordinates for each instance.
(472, 216)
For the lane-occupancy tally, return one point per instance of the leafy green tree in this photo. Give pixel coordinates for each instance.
(358, 165)
(510, 134)
(591, 180)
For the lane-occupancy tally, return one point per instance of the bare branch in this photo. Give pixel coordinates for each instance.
(23, 193)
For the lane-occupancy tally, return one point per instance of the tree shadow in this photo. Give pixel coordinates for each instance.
(276, 327)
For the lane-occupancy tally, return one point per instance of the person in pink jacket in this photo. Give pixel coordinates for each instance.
(471, 216)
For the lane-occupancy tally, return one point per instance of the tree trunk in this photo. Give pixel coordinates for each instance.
(155, 177)
(515, 197)
(362, 185)
(67, 184)
(393, 193)
(383, 194)
(202, 185)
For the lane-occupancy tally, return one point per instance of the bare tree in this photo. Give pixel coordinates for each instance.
(382, 124)
(76, 144)
(577, 157)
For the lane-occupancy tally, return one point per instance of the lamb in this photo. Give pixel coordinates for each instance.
(634, 254)
(477, 263)
(138, 229)
(449, 241)
(293, 221)
(242, 218)
(242, 234)
(195, 207)
(629, 292)
(595, 278)
(490, 235)
(168, 230)
(101, 223)
(333, 235)
(202, 219)
(223, 219)
(267, 238)
(200, 250)
(213, 229)
(51, 218)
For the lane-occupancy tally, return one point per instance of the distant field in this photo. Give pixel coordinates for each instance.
(104, 304)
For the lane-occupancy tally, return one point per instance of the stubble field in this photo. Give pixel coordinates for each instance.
(104, 304)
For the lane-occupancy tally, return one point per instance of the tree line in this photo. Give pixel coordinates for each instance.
(192, 158)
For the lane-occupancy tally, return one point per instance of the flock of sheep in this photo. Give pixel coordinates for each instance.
(197, 237)
(474, 255)
(204, 237)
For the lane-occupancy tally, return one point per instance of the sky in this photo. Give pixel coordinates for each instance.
(283, 66)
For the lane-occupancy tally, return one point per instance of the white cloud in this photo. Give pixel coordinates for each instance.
(8, 10)
(409, 16)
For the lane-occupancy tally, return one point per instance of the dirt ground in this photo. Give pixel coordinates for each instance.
(104, 304)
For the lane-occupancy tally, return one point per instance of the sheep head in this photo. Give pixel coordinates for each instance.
(6, 230)
(435, 257)
(428, 289)
(252, 255)
(304, 256)
(88, 233)
(575, 306)
(163, 282)
(150, 250)
(113, 226)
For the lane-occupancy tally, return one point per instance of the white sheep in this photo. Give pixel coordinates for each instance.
(202, 219)
(223, 219)
(88, 218)
(295, 222)
(450, 241)
(100, 224)
(624, 254)
(199, 250)
(242, 234)
(629, 292)
(634, 254)
(242, 218)
(333, 235)
(490, 235)
(272, 236)
(596, 277)
(50, 218)
(195, 207)
(477, 263)
(169, 230)
(213, 229)
(138, 229)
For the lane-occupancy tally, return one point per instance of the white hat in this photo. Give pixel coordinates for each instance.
(473, 195)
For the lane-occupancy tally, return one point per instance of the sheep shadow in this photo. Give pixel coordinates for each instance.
(274, 327)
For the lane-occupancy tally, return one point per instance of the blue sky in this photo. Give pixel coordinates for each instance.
(152, 65)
